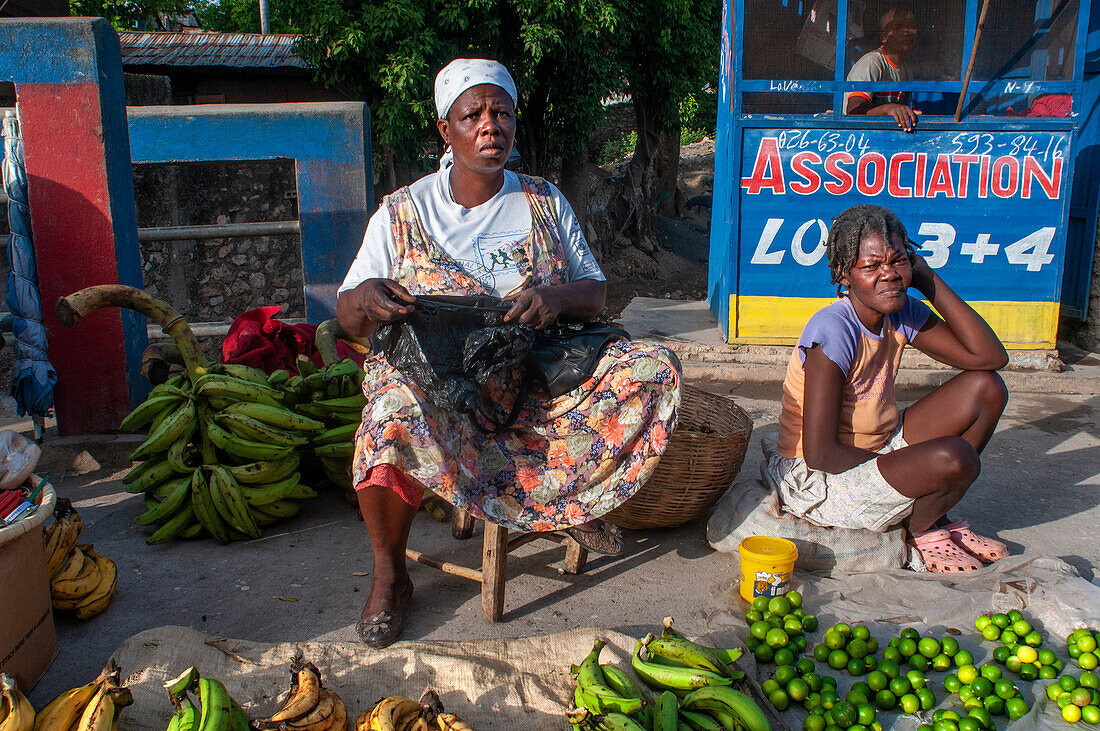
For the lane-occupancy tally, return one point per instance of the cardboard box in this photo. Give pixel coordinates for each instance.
(28, 642)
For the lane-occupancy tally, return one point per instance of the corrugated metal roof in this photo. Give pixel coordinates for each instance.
(204, 48)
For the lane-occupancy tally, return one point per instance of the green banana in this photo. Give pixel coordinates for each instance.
(591, 679)
(147, 411)
(178, 686)
(265, 471)
(686, 653)
(276, 416)
(176, 454)
(204, 508)
(302, 492)
(305, 365)
(700, 721)
(179, 390)
(318, 412)
(724, 719)
(342, 433)
(344, 403)
(614, 721)
(245, 373)
(583, 699)
(216, 705)
(339, 450)
(248, 428)
(152, 473)
(177, 491)
(182, 421)
(279, 509)
(227, 495)
(729, 657)
(138, 471)
(728, 700)
(620, 682)
(190, 717)
(278, 377)
(345, 367)
(257, 495)
(247, 449)
(665, 712)
(668, 677)
(238, 719)
(178, 526)
(229, 387)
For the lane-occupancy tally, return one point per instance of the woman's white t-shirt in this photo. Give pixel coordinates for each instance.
(482, 239)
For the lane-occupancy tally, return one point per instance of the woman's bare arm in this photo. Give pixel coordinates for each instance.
(374, 301)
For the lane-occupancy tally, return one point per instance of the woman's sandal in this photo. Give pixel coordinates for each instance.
(942, 555)
(382, 629)
(607, 539)
(987, 549)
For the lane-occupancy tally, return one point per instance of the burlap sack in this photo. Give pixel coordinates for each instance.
(504, 684)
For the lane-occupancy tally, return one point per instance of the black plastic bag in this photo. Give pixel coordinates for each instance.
(565, 356)
(451, 346)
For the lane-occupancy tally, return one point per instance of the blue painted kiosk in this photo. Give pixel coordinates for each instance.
(986, 198)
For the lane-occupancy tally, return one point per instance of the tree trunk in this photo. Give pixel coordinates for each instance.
(666, 192)
(574, 182)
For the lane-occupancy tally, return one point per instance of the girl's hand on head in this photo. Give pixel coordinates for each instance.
(922, 273)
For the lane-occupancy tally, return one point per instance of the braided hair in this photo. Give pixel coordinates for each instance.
(850, 228)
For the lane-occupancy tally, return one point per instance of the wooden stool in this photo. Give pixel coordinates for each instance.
(494, 559)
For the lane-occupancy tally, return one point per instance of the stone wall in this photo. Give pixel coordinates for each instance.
(214, 280)
(1086, 334)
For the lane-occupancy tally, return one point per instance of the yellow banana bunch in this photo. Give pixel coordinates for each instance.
(401, 713)
(16, 712)
(91, 707)
(308, 706)
(62, 535)
(85, 583)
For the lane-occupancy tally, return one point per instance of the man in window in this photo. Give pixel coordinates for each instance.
(887, 63)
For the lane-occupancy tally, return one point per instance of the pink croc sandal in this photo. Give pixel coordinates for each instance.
(987, 549)
(942, 555)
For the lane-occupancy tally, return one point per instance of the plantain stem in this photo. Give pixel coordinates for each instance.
(71, 309)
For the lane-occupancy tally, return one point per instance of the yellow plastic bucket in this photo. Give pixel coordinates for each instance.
(766, 566)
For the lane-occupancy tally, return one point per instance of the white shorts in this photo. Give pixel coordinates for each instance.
(857, 498)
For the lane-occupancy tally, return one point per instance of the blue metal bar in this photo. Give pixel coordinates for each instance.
(860, 122)
(969, 29)
(841, 57)
(1008, 86)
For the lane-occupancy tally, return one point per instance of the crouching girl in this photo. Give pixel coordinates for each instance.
(846, 456)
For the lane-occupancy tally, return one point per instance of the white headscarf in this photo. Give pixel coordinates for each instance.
(462, 74)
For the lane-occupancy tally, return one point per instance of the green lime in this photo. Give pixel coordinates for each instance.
(1081, 697)
(834, 640)
(916, 679)
(821, 652)
(1066, 699)
(804, 665)
(892, 654)
(945, 726)
(870, 663)
(877, 680)
(784, 656)
(814, 681)
(754, 616)
(1090, 714)
(886, 700)
(809, 623)
(907, 647)
(792, 626)
(1001, 620)
(949, 646)
(776, 638)
(794, 598)
(856, 666)
(829, 680)
(1008, 637)
(860, 632)
(845, 714)
(1021, 627)
(1016, 708)
(751, 643)
(780, 605)
(1029, 672)
(1054, 690)
(770, 685)
(1089, 680)
(918, 662)
(844, 629)
(856, 697)
(866, 714)
(760, 603)
(1067, 682)
(1086, 643)
(857, 648)
(1047, 672)
(989, 672)
(1001, 654)
(779, 699)
(929, 647)
(763, 653)
(1004, 688)
(1088, 660)
(983, 717)
(798, 689)
(969, 724)
(941, 663)
(963, 657)
(899, 686)
(1071, 713)
(951, 683)
(965, 693)
(1046, 656)
(968, 674)
(1013, 664)
(909, 703)
(927, 699)
(785, 674)
(759, 630)
(1073, 650)
(800, 642)
(861, 686)
(909, 634)
(981, 687)
(1034, 639)
(1015, 615)
(890, 668)
(814, 723)
(982, 621)
(994, 704)
(991, 632)
(838, 659)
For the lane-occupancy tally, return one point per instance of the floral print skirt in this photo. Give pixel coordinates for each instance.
(564, 462)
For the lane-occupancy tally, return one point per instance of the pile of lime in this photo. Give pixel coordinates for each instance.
(946, 720)
(1077, 697)
(1082, 647)
(925, 653)
(778, 627)
(1021, 649)
(983, 688)
(850, 648)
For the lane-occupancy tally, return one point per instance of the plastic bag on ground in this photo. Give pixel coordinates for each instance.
(18, 458)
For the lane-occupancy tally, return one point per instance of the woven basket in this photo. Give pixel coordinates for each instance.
(702, 458)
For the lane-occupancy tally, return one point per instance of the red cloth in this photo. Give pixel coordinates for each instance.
(1047, 105)
(259, 340)
(388, 476)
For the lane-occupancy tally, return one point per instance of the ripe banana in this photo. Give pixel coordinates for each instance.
(99, 714)
(177, 526)
(451, 722)
(66, 532)
(266, 471)
(672, 678)
(70, 568)
(205, 512)
(216, 705)
(148, 410)
(64, 710)
(244, 448)
(81, 585)
(387, 712)
(100, 597)
(252, 429)
(276, 416)
(321, 715)
(19, 711)
(305, 692)
(728, 700)
(181, 422)
(591, 679)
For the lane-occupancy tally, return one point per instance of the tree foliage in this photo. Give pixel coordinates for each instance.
(126, 14)
(241, 16)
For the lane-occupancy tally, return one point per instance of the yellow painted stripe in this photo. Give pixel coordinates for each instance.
(779, 320)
